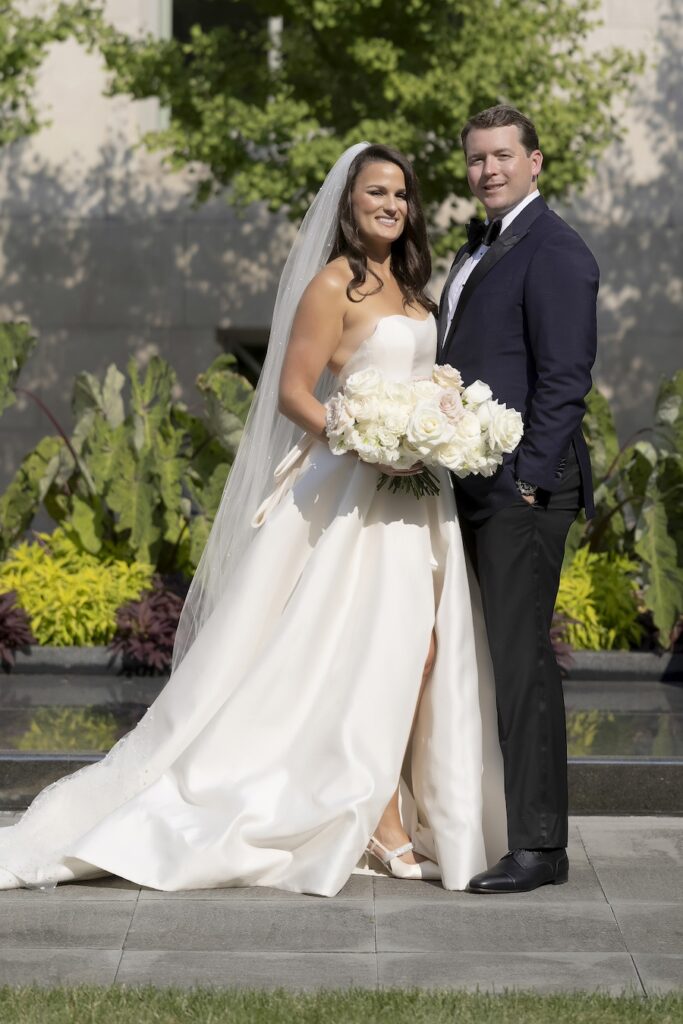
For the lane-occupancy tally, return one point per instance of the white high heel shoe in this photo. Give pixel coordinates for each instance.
(391, 859)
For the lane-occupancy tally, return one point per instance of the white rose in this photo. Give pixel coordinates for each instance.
(337, 417)
(386, 437)
(407, 457)
(451, 455)
(483, 414)
(364, 409)
(467, 427)
(471, 458)
(364, 383)
(399, 394)
(447, 377)
(505, 428)
(368, 445)
(489, 464)
(461, 452)
(476, 393)
(338, 424)
(394, 417)
(451, 405)
(427, 428)
(425, 389)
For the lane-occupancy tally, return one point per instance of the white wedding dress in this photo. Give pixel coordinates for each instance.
(271, 753)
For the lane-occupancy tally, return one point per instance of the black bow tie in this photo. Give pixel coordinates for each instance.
(479, 233)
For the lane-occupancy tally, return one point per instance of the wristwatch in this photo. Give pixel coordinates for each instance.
(527, 490)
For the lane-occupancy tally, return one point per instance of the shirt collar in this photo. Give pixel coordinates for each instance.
(516, 210)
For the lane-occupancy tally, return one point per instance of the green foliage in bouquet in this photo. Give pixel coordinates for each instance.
(598, 597)
(70, 596)
(140, 478)
(57, 729)
(639, 500)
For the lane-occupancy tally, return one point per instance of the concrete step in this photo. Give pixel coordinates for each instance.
(597, 785)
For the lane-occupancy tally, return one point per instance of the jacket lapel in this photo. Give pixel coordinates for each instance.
(463, 254)
(500, 248)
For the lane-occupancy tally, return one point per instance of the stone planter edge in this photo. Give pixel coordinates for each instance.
(594, 665)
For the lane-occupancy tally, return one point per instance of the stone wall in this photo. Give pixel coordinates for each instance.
(101, 249)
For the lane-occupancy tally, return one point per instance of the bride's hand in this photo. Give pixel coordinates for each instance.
(391, 471)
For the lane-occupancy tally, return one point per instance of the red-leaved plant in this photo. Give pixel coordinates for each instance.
(15, 629)
(145, 630)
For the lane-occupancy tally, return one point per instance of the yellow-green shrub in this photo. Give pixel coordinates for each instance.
(70, 596)
(599, 592)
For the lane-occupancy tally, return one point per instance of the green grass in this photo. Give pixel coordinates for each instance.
(88, 1004)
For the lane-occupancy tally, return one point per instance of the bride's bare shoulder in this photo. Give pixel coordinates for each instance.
(333, 279)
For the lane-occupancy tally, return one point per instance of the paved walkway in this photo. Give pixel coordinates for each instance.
(617, 926)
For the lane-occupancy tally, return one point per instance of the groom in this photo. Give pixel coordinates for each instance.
(518, 312)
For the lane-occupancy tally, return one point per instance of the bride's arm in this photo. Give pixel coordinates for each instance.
(316, 333)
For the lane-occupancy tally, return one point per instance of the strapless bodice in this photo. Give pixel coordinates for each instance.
(400, 347)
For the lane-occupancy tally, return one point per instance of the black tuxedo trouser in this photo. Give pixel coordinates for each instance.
(517, 555)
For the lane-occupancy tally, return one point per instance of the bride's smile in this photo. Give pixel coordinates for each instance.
(380, 205)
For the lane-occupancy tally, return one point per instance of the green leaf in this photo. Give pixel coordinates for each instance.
(168, 468)
(151, 399)
(200, 527)
(227, 397)
(17, 341)
(106, 398)
(663, 593)
(600, 433)
(669, 414)
(207, 493)
(26, 490)
(133, 498)
(85, 525)
(104, 448)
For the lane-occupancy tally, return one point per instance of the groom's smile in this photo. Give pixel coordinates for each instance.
(499, 169)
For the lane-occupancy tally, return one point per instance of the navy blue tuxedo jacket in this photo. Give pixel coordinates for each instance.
(526, 325)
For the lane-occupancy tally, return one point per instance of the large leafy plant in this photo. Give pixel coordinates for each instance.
(70, 596)
(639, 500)
(140, 477)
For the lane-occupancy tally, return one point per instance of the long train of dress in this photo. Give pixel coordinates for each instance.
(270, 754)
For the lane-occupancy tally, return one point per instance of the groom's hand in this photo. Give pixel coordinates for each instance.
(530, 499)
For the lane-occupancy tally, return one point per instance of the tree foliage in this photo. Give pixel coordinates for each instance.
(403, 72)
(24, 40)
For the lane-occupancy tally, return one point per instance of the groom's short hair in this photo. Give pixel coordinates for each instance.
(499, 117)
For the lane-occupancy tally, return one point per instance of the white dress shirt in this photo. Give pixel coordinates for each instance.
(458, 282)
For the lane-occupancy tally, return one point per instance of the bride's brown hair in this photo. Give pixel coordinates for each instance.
(411, 263)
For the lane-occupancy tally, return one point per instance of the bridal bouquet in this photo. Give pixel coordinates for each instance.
(436, 422)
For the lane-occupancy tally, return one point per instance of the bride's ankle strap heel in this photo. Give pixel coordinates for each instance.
(391, 860)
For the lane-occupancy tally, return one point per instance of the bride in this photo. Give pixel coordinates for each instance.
(331, 705)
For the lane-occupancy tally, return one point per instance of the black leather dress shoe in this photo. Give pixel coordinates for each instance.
(522, 871)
